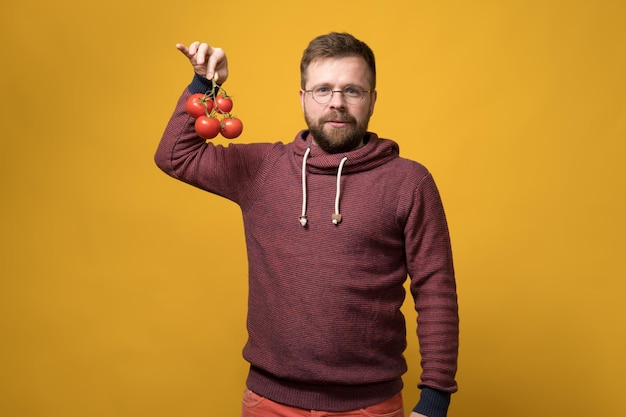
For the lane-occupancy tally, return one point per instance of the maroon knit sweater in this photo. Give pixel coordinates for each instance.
(324, 321)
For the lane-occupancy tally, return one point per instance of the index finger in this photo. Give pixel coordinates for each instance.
(190, 51)
(182, 48)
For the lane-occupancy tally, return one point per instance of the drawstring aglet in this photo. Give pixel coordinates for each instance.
(336, 218)
(303, 221)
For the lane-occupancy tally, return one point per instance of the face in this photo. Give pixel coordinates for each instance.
(338, 126)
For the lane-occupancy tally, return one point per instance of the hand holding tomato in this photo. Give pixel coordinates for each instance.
(211, 110)
(206, 60)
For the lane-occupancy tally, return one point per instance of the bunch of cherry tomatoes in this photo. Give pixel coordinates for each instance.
(212, 113)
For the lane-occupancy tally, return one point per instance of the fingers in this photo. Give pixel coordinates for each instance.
(207, 61)
(217, 65)
(203, 52)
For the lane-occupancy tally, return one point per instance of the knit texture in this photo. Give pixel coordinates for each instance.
(324, 322)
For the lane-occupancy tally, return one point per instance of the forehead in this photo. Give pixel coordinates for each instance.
(338, 71)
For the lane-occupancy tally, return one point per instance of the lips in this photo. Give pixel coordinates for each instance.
(336, 123)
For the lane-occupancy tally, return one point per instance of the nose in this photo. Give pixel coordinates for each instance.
(337, 100)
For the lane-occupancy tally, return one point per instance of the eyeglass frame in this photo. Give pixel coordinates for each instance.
(332, 92)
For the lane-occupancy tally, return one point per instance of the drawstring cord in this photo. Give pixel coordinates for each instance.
(336, 217)
(303, 218)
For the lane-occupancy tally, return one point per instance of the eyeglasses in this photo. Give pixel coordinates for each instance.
(323, 95)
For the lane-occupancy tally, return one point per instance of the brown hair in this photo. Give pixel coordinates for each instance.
(337, 45)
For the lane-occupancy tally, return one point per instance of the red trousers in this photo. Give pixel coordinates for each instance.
(254, 405)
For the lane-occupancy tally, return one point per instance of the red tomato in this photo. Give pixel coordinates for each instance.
(207, 127)
(231, 127)
(199, 104)
(223, 104)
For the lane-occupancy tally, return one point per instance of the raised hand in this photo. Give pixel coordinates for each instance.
(206, 60)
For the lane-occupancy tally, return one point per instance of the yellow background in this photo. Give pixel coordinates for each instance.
(123, 292)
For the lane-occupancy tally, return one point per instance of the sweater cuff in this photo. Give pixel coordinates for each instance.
(433, 403)
(200, 84)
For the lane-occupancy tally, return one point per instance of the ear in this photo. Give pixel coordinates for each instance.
(373, 97)
(302, 97)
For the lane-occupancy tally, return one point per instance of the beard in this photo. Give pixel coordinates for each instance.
(334, 140)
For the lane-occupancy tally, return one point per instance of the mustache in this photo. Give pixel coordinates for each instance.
(336, 116)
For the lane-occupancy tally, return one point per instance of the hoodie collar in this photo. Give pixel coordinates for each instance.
(375, 152)
(314, 159)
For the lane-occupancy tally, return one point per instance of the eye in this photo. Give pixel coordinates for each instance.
(321, 91)
(353, 91)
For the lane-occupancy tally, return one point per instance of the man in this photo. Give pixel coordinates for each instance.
(334, 222)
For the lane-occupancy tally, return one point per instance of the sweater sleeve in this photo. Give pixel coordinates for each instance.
(222, 170)
(433, 286)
